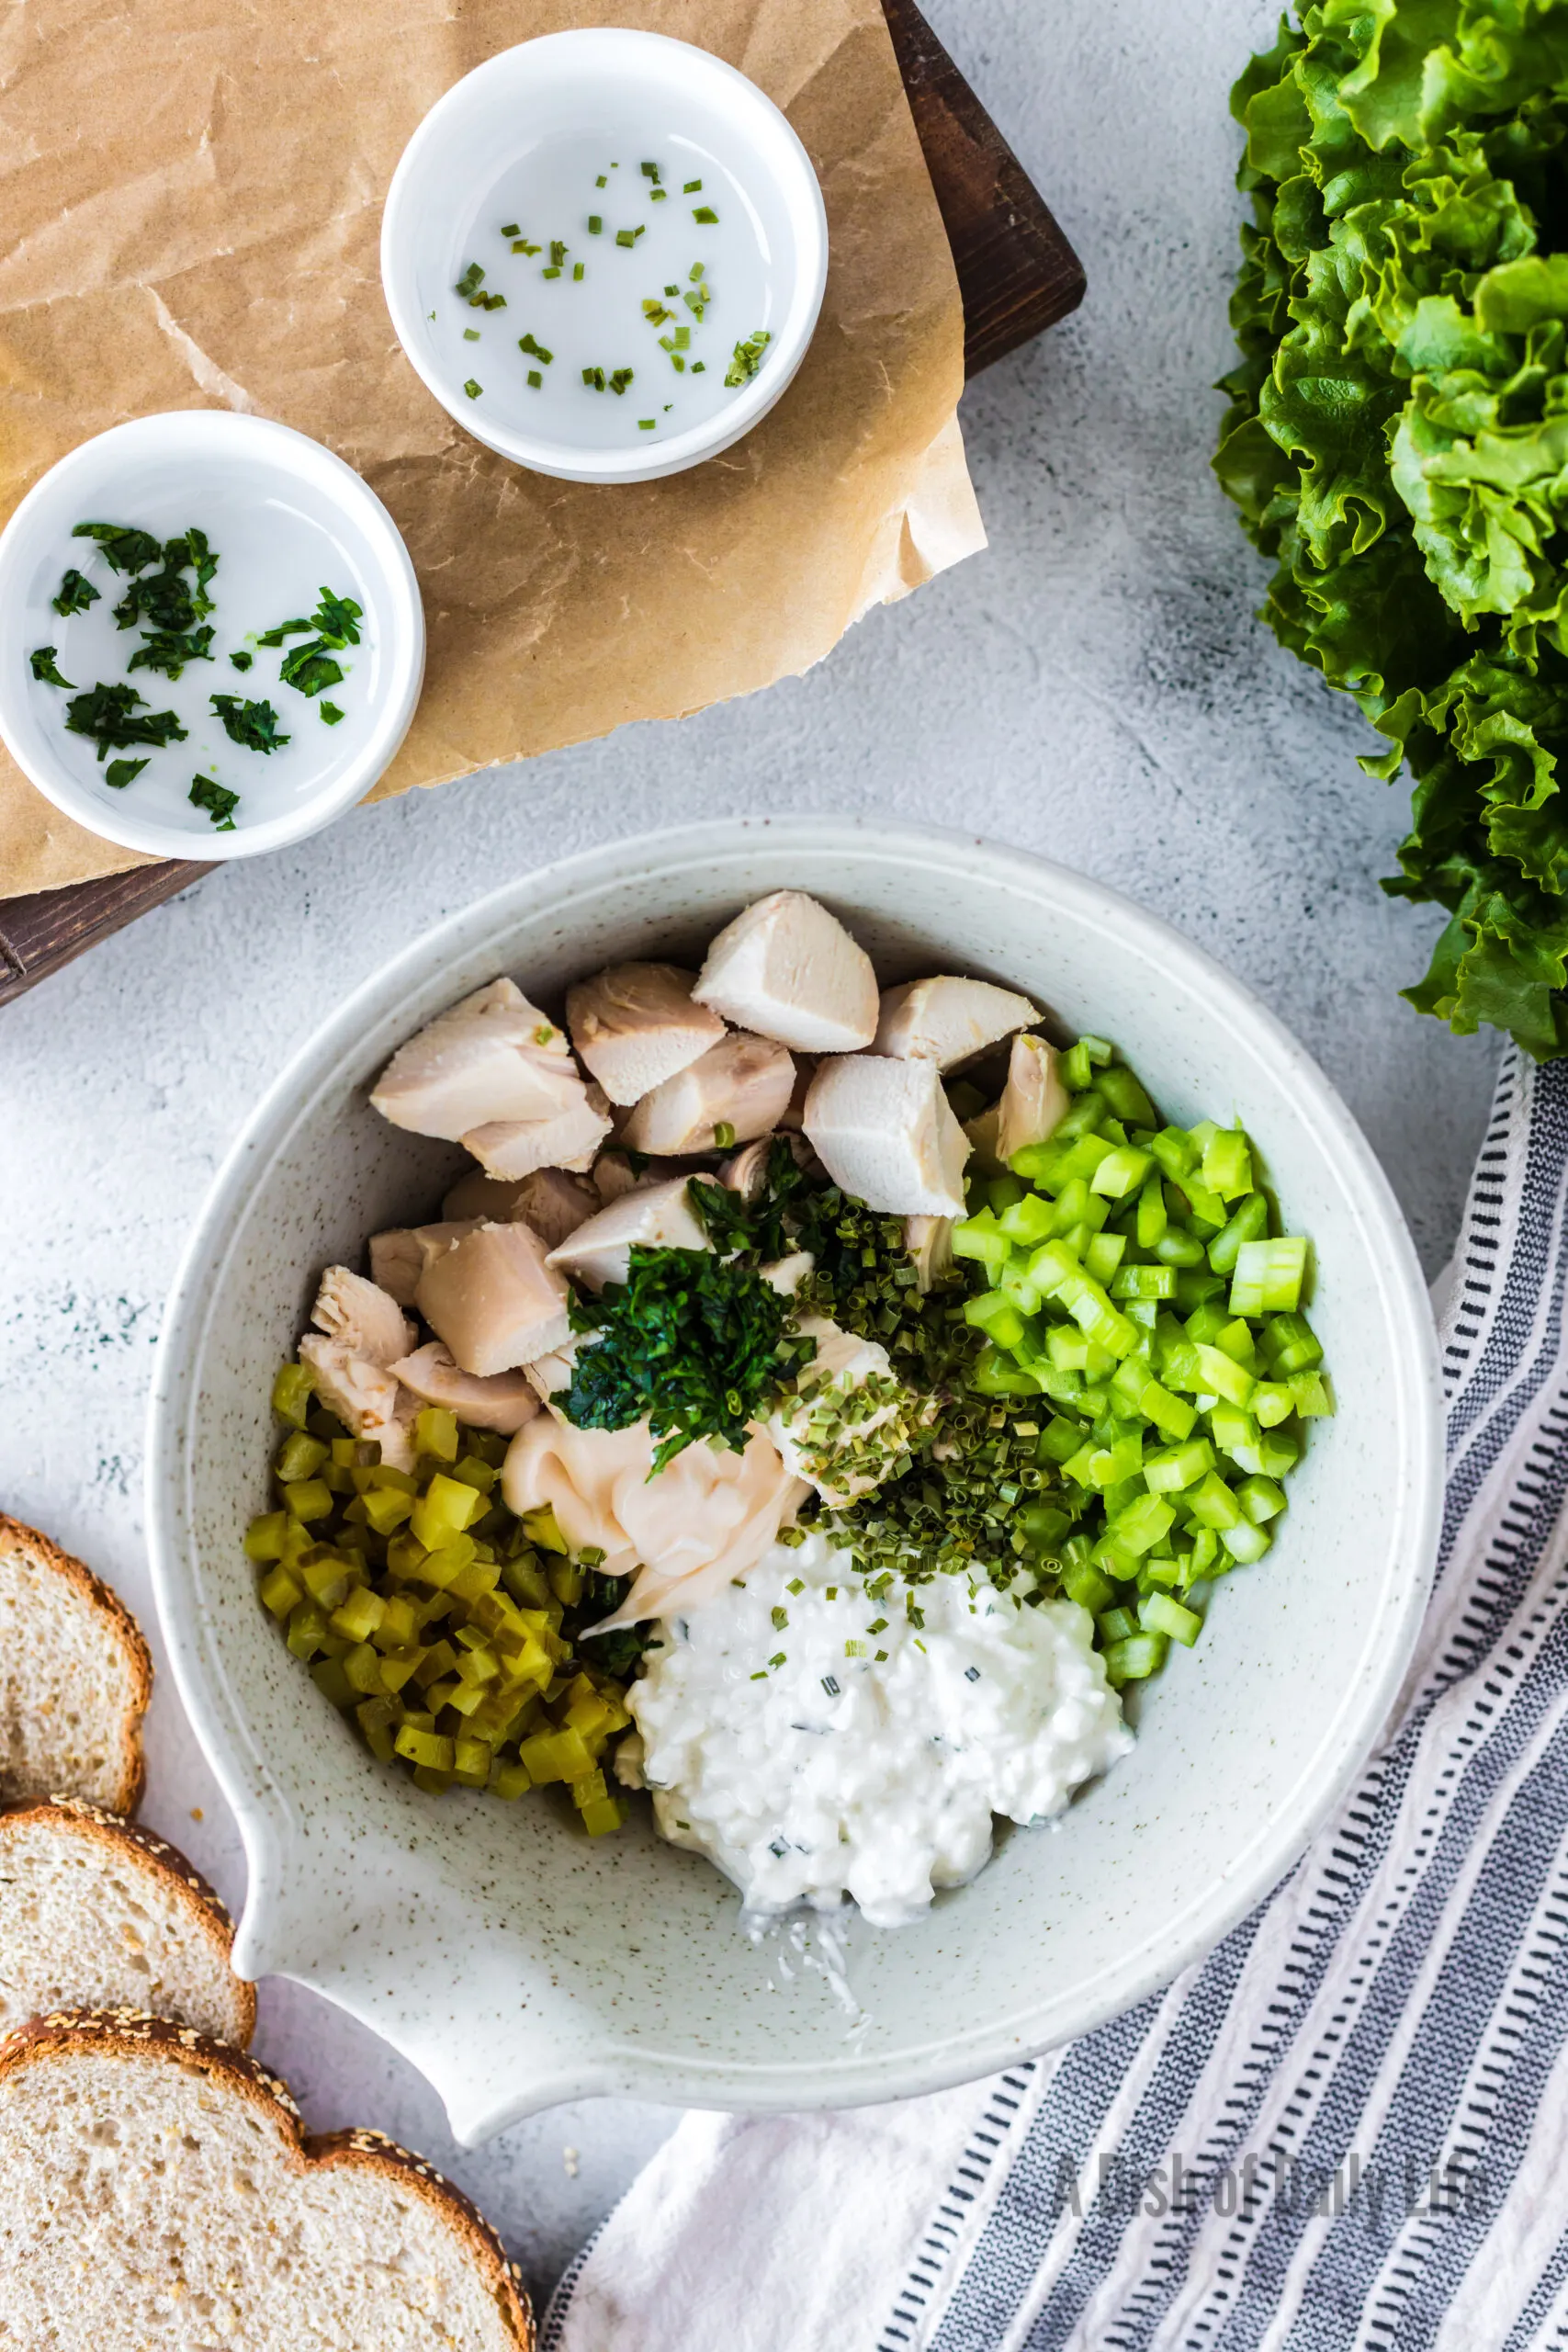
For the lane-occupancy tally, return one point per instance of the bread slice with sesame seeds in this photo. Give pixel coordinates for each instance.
(96, 1915)
(74, 1679)
(156, 2188)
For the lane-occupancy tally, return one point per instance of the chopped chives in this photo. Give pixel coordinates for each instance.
(473, 389)
(512, 230)
(577, 272)
(705, 214)
(602, 181)
(628, 236)
(595, 222)
(620, 380)
(693, 187)
(534, 350)
(657, 195)
(671, 289)
(698, 269)
(699, 366)
(558, 253)
(683, 338)
(470, 334)
(594, 378)
(469, 284)
(646, 423)
(522, 245)
(551, 272)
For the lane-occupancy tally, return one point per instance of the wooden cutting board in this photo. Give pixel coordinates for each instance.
(1016, 272)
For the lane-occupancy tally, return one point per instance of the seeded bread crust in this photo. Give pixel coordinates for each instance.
(178, 1881)
(131, 2034)
(120, 1628)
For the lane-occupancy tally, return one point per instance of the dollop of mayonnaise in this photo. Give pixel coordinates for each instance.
(709, 1515)
(815, 1743)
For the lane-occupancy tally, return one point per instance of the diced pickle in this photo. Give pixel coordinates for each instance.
(279, 1590)
(265, 1536)
(363, 1667)
(471, 1761)
(435, 1432)
(445, 1510)
(432, 1750)
(333, 1683)
(604, 1814)
(292, 1392)
(300, 1458)
(509, 1781)
(359, 1615)
(310, 1499)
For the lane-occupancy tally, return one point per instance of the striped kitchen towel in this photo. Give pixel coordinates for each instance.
(1348, 2126)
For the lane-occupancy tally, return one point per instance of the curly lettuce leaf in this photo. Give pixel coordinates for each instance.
(1397, 444)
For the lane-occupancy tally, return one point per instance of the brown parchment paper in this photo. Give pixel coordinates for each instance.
(190, 202)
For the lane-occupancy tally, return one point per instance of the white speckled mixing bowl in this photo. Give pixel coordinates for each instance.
(512, 1960)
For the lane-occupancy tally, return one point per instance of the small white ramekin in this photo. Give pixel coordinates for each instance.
(604, 81)
(166, 472)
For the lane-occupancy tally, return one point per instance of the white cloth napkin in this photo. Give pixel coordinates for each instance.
(1347, 2127)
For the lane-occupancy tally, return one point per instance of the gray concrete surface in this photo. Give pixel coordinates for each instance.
(1094, 685)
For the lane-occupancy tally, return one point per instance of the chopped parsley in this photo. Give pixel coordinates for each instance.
(219, 803)
(163, 600)
(168, 650)
(119, 773)
(332, 715)
(511, 229)
(42, 662)
(693, 187)
(76, 594)
(124, 548)
(309, 668)
(748, 357)
(241, 661)
(694, 1342)
(109, 716)
(252, 725)
(534, 350)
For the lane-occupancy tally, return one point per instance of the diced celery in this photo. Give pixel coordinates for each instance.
(1236, 1433)
(1211, 1504)
(1121, 1171)
(265, 1536)
(1176, 1154)
(1176, 1468)
(1160, 1614)
(1001, 1192)
(1177, 1250)
(1290, 1345)
(1027, 1222)
(291, 1393)
(1246, 1540)
(1014, 1286)
(1272, 1402)
(1104, 1255)
(982, 1240)
(333, 1683)
(1116, 1624)
(1125, 1096)
(1058, 1439)
(1144, 1523)
(1311, 1395)
(1077, 1070)
(1153, 1217)
(1242, 1230)
(1261, 1499)
(1269, 1274)
(1073, 1204)
(434, 1749)
(1227, 1164)
(299, 1457)
(1278, 1455)
(1195, 1286)
(1206, 1210)
(1144, 1282)
(1134, 1659)
(1225, 1377)
(994, 1376)
(1084, 1583)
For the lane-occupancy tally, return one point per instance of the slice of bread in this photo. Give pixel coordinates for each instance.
(94, 1915)
(156, 2188)
(74, 1679)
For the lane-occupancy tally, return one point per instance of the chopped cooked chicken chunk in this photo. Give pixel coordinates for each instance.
(885, 1132)
(793, 1116)
(517, 1147)
(399, 1258)
(635, 1026)
(613, 1175)
(494, 1301)
(494, 1056)
(477, 1195)
(929, 1240)
(659, 1216)
(786, 1274)
(554, 1203)
(846, 1425)
(738, 1089)
(503, 1402)
(362, 1316)
(708, 1516)
(366, 1396)
(1033, 1100)
(948, 1021)
(787, 968)
(548, 1375)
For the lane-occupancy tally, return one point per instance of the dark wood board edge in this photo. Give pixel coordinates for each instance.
(1017, 275)
(41, 934)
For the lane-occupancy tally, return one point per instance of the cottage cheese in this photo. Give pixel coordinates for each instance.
(818, 1744)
